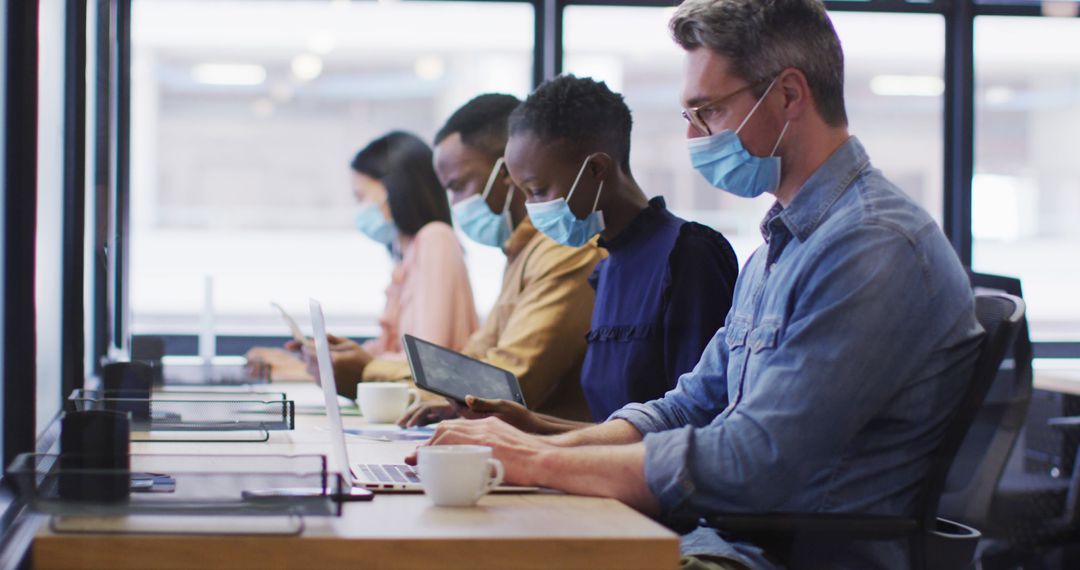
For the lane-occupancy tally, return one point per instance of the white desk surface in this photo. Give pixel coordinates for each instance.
(1057, 375)
(529, 531)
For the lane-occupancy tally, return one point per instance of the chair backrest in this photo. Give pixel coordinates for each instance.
(1000, 315)
(977, 469)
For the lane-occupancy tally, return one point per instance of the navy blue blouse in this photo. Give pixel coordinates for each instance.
(661, 294)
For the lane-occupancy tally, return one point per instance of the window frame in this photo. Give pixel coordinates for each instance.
(96, 182)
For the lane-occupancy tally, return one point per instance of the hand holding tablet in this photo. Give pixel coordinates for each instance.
(454, 375)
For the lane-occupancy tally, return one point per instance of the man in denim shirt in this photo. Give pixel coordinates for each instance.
(852, 332)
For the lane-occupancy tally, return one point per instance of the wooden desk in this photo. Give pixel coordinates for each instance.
(532, 531)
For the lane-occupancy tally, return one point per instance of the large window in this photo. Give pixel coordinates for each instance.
(1026, 189)
(894, 90)
(3, 212)
(245, 116)
(50, 211)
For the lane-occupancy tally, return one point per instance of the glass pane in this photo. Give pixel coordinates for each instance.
(245, 116)
(50, 211)
(1026, 195)
(3, 215)
(894, 99)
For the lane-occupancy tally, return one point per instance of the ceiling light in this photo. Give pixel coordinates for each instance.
(907, 85)
(229, 73)
(429, 67)
(306, 67)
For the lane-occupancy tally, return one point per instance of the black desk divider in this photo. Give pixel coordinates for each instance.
(166, 488)
(193, 416)
(95, 440)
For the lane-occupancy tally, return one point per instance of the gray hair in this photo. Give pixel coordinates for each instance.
(761, 38)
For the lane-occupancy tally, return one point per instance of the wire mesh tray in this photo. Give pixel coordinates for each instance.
(148, 496)
(216, 417)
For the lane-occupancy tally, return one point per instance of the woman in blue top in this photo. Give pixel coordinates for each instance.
(666, 285)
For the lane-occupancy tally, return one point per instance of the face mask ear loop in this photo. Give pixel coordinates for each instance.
(491, 178)
(598, 191)
(509, 198)
(573, 187)
(780, 138)
(756, 105)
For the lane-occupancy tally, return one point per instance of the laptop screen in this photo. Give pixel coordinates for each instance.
(339, 454)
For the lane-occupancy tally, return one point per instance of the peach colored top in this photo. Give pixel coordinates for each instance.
(429, 295)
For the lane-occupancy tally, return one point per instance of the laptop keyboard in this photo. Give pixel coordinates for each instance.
(388, 473)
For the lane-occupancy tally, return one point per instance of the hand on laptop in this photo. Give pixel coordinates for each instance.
(518, 451)
(347, 357)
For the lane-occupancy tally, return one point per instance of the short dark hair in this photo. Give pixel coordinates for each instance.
(763, 37)
(482, 123)
(580, 110)
(402, 162)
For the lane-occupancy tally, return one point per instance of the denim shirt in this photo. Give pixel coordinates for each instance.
(851, 337)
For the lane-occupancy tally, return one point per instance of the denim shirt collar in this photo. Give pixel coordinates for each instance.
(824, 187)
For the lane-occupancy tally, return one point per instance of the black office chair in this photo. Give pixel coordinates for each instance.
(933, 543)
(975, 479)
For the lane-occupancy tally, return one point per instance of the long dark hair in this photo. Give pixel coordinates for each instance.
(402, 162)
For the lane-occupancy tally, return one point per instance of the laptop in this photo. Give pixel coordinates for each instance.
(381, 478)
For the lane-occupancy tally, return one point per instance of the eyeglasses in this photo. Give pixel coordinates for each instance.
(693, 114)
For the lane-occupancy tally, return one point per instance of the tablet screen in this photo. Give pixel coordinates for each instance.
(456, 375)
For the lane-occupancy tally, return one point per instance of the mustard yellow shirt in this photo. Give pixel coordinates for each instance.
(537, 328)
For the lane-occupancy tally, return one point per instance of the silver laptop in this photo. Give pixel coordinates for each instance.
(383, 478)
(394, 477)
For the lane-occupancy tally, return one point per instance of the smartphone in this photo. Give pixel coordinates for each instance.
(297, 335)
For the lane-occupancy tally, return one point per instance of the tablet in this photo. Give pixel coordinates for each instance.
(454, 375)
(291, 322)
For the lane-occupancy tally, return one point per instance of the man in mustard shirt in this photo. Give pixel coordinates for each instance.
(537, 328)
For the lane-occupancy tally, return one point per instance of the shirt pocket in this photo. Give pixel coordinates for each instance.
(763, 337)
(735, 335)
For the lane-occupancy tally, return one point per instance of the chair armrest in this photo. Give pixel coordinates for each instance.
(847, 525)
(1066, 423)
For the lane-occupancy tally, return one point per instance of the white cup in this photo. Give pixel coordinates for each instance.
(384, 402)
(458, 475)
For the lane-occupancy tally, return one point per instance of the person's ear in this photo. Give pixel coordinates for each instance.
(795, 89)
(601, 165)
(504, 180)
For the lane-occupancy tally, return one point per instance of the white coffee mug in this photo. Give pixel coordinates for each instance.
(384, 402)
(457, 475)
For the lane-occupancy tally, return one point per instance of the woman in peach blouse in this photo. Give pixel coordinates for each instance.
(404, 207)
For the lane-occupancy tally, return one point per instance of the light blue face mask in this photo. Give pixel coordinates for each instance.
(727, 165)
(555, 219)
(371, 222)
(476, 219)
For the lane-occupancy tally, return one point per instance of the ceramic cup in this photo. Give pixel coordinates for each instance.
(458, 475)
(384, 402)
